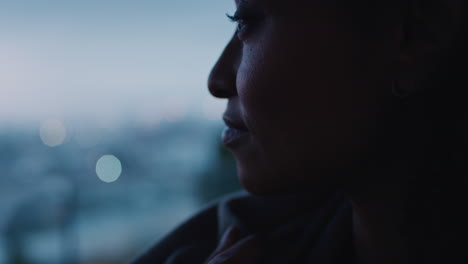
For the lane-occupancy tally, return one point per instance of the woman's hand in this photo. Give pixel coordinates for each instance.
(231, 250)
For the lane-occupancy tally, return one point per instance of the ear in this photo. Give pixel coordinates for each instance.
(427, 33)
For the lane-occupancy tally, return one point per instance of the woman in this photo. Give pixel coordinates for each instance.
(341, 115)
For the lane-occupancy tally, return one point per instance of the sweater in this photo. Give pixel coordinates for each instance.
(292, 229)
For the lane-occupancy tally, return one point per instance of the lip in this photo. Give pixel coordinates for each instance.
(235, 133)
(233, 137)
(235, 123)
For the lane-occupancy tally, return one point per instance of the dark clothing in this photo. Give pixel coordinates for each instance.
(292, 229)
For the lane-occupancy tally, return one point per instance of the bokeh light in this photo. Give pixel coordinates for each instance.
(108, 168)
(52, 133)
(83, 79)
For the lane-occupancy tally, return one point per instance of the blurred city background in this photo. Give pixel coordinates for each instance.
(108, 135)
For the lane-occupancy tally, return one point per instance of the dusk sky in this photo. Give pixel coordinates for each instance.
(93, 60)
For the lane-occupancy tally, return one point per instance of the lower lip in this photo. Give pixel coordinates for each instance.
(232, 137)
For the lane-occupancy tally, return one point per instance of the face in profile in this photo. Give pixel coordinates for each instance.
(305, 87)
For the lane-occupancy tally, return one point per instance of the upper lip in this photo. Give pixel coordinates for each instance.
(233, 122)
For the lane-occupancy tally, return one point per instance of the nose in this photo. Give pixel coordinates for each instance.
(222, 79)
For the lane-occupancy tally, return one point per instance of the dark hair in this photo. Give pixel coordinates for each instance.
(437, 116)
(428, 129)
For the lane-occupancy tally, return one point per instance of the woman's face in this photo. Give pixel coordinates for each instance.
(308, 86)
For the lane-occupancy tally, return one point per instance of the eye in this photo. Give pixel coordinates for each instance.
(240, 20)
(245, 21)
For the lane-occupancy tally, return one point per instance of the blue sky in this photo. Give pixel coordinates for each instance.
(109, 59)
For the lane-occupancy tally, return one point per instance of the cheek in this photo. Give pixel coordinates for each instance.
(303, 96)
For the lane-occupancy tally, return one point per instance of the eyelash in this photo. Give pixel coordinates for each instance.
(243, 21)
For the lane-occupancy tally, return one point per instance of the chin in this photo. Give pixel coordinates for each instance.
(265, 182)
(255, 180)
(262, 180)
